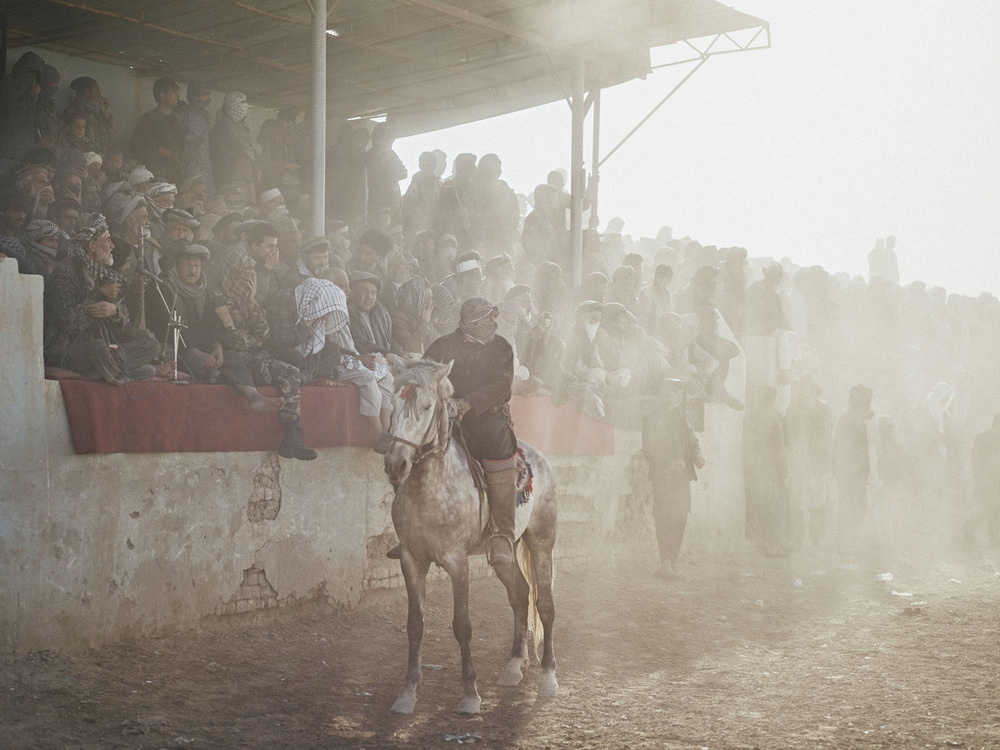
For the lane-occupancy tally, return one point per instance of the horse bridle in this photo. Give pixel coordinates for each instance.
(427, 445)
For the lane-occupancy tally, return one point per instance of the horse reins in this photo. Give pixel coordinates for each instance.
(426, 445)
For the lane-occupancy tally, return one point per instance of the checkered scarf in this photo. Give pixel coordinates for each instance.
(315, 299)
(239, 280)
(100, 273)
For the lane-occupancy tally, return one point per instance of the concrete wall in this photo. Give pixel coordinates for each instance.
(99, 548)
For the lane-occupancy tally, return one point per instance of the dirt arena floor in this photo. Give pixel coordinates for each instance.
(759, 653)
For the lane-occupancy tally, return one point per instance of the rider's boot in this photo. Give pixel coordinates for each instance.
(501, 489)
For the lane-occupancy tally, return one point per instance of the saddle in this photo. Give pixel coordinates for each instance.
(524, 471)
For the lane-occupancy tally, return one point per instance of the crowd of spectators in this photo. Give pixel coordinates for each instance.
(193, 219)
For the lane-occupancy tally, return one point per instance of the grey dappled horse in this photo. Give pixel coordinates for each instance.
(439, 518)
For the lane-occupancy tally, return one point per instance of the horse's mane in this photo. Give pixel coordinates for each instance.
(422, 374)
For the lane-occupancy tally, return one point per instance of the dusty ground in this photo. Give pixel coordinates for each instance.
(761, 653)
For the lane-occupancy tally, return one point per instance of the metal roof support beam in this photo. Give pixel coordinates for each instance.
(318, 190)
(577, 176)
(595, 174)
(482, 21)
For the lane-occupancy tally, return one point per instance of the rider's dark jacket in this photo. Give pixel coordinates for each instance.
(482, 375)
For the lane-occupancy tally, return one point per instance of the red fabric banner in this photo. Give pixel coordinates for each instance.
(161, 417)
(560, 429)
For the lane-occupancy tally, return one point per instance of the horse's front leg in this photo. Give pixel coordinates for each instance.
(415, 575)
(458, 570)
(517, 594)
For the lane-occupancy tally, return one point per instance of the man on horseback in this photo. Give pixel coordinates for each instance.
(482, 374)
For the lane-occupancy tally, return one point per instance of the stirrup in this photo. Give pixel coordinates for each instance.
(490, 538)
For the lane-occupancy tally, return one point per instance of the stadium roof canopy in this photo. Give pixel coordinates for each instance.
(427, 64)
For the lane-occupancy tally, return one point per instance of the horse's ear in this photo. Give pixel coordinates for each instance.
(445, 369)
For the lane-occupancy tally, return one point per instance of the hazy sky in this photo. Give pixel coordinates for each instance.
(865, 118)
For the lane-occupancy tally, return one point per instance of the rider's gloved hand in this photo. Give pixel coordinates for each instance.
(457, 407)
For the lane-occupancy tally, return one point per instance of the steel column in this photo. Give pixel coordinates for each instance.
(577, 177)
(595, 171)
(318, 190)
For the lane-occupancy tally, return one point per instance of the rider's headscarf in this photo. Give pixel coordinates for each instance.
(477, 319)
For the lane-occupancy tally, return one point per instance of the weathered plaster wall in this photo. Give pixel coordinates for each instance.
(100, 548)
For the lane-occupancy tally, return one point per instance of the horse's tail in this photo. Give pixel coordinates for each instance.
(527, 565)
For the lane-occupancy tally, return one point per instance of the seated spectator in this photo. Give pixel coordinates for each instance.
(158, 139)
(340, 242)
(159, 197)
(33, 183)
(86, 323)
(178, 224)
(201, 353)
(244, 330)
(655, 298)
(324, 306)
(192, 195)
(41, 246)
(465, 282)
(552, 296)
(439, 264)
(595, 287)
(67, 185)
(13, 210)
(369, 253)
(72, 134)
(631, 356)
(412, 329)
(261, 240)
(499, 277)
(139, 179)
(313, 259)
(93, 181)
(622, 289)
(64, 214)
(370, 324)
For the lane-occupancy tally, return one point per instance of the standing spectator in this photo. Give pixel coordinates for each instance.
(19, 93)
(882, 262)
(809, 433)
(282, 145)
(384, 170)
(540, 238)
(421, 197)
(96, 111)
(46, 116)
(496, 219)
(851, 466)
(158, 139)
(194, 120)
(457, 203)
(234, 154)
(671, 448)
(986, 479)
(765, 472)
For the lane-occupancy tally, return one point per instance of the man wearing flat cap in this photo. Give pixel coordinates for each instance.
(483, 373)
(671, 448)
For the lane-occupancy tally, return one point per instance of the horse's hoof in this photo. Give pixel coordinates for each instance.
(547, 685)
(404, 705)
(511, 674)
(469, 705)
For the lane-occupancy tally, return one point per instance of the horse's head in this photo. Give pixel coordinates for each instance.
(419, 416)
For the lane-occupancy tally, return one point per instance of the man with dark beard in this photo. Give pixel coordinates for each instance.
(86, 322)
(482, 373)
